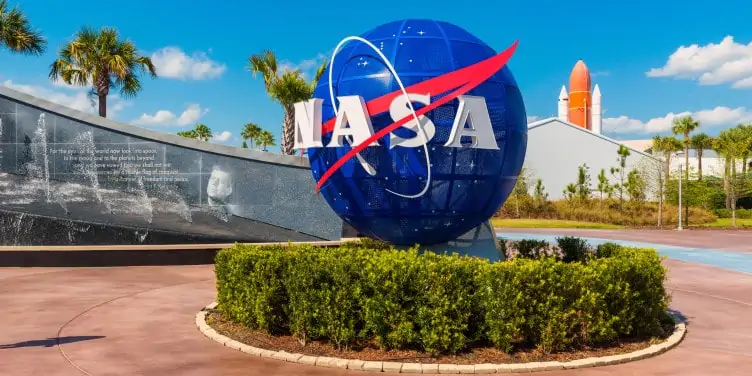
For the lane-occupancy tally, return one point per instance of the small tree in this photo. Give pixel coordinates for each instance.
(244, 145)
(653, 174)
(636, 187)
(540, 197)
(583, 183)
(604, 186)
(619, 172)
(521, 191)
(570, 194)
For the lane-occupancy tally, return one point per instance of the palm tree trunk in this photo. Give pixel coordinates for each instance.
(726, 185)
(288, 131)
(699, 164)
(686, 173)
(102, 105)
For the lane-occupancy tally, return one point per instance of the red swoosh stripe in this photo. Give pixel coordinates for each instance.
(463, 80)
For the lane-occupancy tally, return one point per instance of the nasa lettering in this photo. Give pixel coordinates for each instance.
(416, 132)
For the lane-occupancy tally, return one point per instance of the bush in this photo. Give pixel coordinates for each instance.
(573, 249)
(353, 296)
(740, 213)
(606, 211)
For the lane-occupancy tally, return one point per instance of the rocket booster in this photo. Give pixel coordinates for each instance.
(580, 99)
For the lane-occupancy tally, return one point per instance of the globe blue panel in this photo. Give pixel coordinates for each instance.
(467, 185)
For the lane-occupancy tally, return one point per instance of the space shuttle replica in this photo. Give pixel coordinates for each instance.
(580, 106)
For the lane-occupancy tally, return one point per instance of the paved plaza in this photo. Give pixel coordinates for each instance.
(140, 320)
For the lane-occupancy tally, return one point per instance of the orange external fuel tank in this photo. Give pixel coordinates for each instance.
(580, 99)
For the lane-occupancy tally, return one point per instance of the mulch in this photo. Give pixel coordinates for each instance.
(475, 355)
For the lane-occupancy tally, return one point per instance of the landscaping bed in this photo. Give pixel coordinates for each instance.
(366, 301)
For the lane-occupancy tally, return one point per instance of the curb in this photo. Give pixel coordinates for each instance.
(680, 329)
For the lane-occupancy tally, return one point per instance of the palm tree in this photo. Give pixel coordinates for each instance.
(16, 33)
(189, 134)
(200, 132)
(700, 142)
(732, 144)
(746, 130)
(265, 139)
(102, 60)
(684, 126)
(203, 132)
(666, 147)
(250, 132)
(287, 88)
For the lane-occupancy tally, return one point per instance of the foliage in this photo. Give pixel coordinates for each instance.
(583, 183)
(619, 172)
(100, 59)
(244, 145)
(636, 187)
(287, 87)
(199, 132)
(573, 249)
(250, 132)
(16, 33)
(266, 138)
(604, 187)
(606, 211)
(700, 142)
(352, 295)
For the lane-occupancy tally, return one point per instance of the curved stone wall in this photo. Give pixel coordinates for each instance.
(62, 164)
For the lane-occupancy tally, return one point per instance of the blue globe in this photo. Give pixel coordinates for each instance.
(467, 185)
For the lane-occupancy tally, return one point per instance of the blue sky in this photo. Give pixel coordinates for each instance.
(652, 60)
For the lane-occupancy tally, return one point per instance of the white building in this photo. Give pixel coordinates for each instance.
(556, 148)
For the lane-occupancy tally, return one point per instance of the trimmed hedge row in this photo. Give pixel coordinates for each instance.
(352, 295)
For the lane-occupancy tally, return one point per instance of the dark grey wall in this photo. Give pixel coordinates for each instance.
(61, 163)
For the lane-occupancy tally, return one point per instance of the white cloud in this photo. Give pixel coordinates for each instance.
(191, 115)
(307, 67)
(77, 100)
(715, 118)
(533, 119)
(172, 62)
(222, 136)
(711, 64)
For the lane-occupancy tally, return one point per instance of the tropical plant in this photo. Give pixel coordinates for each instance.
(732, 145)
(265, 139)
(16, 33)
(188, 134)
(250, 132)
(286, 87)
(100, 59)
(203, 132)
(700, 142)
(684, 126)
(244, 145)
(665, 148)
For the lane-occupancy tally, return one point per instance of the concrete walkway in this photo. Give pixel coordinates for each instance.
(140, 321)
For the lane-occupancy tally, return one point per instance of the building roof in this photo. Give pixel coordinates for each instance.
(554, 120)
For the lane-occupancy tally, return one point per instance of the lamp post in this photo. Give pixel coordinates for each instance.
(681, 177)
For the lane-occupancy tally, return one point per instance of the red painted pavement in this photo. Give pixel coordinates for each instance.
(145, 316)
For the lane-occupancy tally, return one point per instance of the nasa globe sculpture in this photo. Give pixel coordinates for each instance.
(407, 182)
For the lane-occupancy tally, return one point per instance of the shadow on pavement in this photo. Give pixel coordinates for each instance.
(49, 342)
(679, 316)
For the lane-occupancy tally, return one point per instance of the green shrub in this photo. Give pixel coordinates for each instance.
(740, 213)
(352, 296)
(573, 249)
(606, 249)
(530, 248)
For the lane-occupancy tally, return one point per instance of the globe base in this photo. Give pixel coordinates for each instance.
(478, 242)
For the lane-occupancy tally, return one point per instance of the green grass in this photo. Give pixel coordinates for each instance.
(726, 223)
(550, 223)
